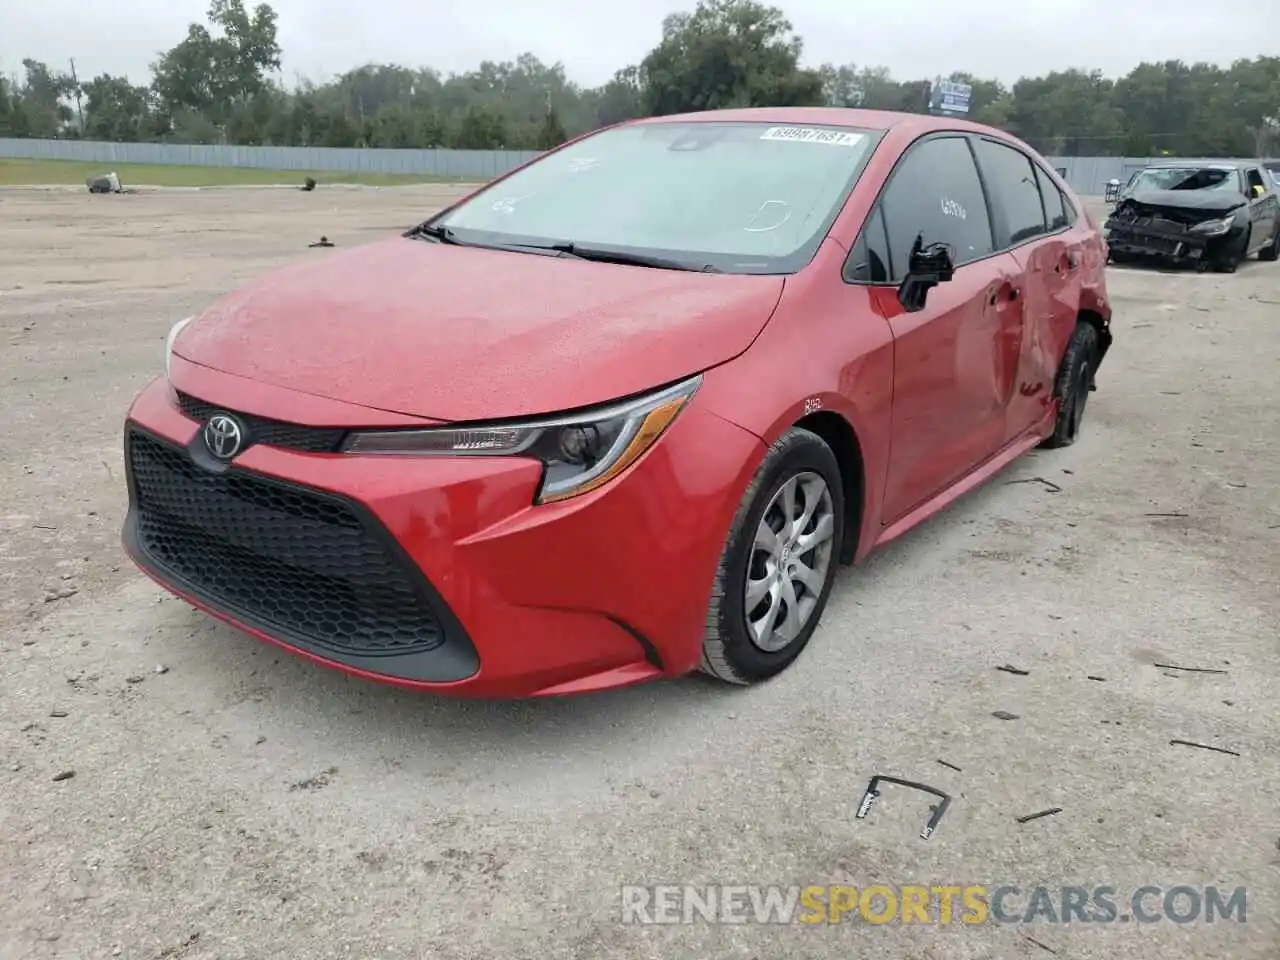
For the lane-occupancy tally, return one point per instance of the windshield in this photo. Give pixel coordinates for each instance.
(738, 197)
(1186, 178)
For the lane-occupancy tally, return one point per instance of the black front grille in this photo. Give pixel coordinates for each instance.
(273, 433)
(1147, 241)
(299, 564)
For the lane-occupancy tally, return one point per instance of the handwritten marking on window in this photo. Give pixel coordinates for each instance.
(508, 204)
(774, 213)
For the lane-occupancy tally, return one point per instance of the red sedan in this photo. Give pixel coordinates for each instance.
(621, 413)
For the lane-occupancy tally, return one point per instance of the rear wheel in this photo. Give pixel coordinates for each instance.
(1073, 385)
(779, 562)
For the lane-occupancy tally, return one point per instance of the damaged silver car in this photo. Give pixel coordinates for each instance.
(1209, 215)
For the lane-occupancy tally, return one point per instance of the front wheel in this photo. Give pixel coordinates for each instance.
(1232, 259)
(1074, 382)
(1271, 252)
(779, 562)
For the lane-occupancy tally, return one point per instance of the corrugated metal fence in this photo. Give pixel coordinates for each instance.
(460, 164)
(1087, 175)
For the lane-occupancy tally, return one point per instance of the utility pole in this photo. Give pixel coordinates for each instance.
(79, 109)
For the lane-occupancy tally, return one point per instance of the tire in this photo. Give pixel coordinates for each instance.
(1073, 385)
(1233, 259)
(1271, 252)
(732, 650)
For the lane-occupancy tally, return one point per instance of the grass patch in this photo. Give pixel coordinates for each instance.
(44, 172)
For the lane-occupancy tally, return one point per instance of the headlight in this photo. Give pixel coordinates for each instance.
(168, 343)
(1213, 228)
(579, 452)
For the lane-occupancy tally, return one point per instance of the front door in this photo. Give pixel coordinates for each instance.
(1264, 208)
(952, 365)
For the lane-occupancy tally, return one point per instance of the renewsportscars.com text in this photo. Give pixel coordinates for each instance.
(932, 904)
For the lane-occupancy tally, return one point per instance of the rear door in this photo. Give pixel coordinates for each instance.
(1032, 223)
(1047, 343)
(950, 359)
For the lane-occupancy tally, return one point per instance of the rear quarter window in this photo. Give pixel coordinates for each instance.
(1055, 205)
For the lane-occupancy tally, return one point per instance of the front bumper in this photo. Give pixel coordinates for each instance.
(1169, 246)
(440, 573)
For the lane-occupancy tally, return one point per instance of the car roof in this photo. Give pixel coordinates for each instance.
(914, 123)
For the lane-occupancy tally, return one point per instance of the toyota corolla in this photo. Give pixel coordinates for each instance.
(621, 413)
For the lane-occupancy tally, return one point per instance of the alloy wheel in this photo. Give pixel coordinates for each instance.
(789, 561)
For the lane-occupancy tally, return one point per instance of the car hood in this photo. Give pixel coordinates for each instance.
(462, 333)
(1201, 201)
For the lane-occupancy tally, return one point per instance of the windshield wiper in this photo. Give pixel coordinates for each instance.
(568, 248)
(602, 255)
(437, 233)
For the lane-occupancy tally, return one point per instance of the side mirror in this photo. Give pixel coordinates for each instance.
(927, 266)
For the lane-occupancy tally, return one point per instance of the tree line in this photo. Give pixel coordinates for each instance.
(220, 85)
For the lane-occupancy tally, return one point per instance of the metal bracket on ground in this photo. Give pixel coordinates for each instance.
(873, 794)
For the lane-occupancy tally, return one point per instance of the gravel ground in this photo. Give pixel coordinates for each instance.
(231, 801)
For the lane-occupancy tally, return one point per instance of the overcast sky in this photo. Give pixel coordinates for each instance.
(914, 38)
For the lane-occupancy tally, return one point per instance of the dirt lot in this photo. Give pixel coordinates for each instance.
(244, 804)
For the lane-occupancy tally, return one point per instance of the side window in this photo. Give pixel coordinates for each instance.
(1011, 180)
(935, 193)
(869, 262)
(1255, 180)
(1055, 204)
(1055, 213)
(1068, 209)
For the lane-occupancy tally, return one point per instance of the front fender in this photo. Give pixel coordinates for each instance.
(825, 350)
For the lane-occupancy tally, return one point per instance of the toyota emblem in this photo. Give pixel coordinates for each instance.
(223, 435)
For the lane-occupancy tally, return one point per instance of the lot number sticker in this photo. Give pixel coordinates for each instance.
(837, 138)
